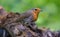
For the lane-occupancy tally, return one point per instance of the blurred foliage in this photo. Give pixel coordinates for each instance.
(49, 17)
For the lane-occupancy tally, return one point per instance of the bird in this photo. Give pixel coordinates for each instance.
(31, 14)
(29, 17)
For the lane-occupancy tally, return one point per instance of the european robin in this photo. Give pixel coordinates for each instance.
(30, 17)
(31, 14)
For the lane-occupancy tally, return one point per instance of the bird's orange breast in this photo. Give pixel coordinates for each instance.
(35, 16)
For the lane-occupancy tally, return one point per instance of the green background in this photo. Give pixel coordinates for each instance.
(49, 17)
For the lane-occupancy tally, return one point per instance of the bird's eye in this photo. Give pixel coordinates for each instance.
(35, 9)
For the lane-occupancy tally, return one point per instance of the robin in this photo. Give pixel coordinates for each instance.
(30, 17)
(31, 14)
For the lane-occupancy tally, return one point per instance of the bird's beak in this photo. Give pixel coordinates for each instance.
(41, 10)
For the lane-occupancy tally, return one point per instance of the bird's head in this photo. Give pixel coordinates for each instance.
(36, 11)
